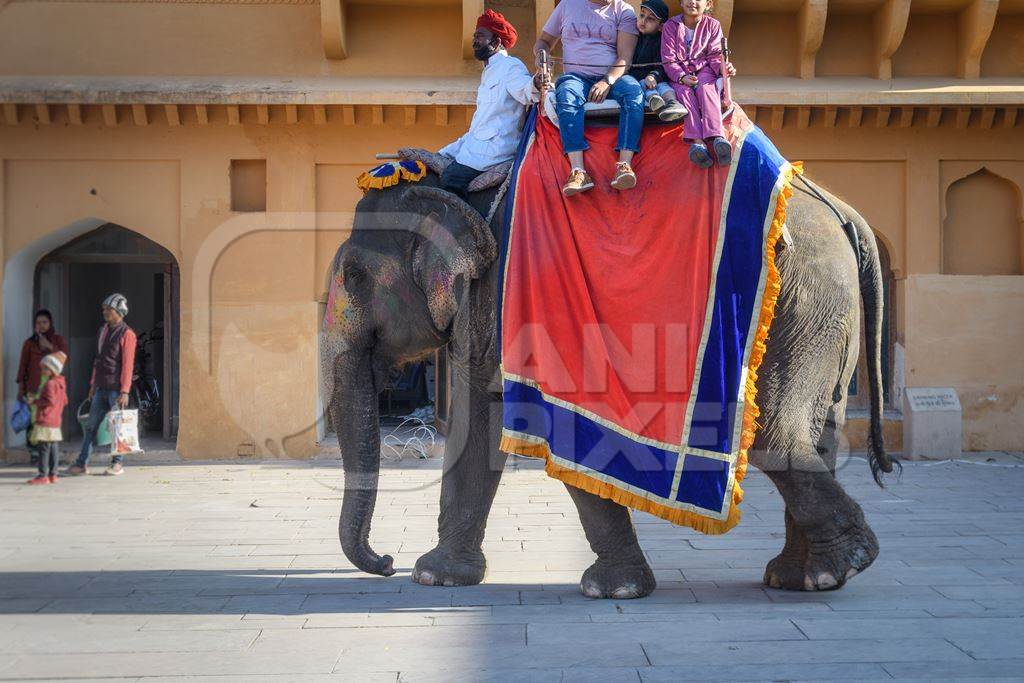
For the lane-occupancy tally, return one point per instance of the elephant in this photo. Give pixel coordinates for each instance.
(418, 272)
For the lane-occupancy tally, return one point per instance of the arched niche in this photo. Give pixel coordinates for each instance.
(982, 230)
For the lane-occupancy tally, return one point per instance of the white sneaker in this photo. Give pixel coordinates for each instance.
(656, 102)
(115, 470)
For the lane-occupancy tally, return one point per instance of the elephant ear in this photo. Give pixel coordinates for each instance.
(456, 245)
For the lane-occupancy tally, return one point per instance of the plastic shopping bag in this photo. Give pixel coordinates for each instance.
(22, 417)
(124, 431)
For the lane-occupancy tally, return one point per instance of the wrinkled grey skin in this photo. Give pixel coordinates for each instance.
(417, 272)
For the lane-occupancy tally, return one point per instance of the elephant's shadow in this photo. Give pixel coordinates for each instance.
(308, 592)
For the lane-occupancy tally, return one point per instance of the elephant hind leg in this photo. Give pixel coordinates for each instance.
(621, 571)
(828, 529)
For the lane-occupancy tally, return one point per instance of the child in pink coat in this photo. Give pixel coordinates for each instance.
(691, 51)
(49, 404)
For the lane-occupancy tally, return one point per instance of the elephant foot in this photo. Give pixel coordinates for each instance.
(831, 563)
(828, 564)
(786, 571)
(445, 567)
(617, 581)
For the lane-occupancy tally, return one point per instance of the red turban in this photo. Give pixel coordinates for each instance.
(499, 26)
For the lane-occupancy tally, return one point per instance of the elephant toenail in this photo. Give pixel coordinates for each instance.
(627, 592)
(774, 581)
(449, 583)
(850, 573)
(809, 584)
(426, 578)
(826, 580)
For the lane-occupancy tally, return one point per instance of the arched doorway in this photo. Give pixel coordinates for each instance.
(72, 281)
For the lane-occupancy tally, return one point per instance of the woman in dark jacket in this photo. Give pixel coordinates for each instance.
(44, 341)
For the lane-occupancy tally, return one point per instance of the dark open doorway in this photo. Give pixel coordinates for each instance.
(74, 279)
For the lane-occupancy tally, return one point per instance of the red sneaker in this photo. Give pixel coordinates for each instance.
(39, 480)
(53, 478)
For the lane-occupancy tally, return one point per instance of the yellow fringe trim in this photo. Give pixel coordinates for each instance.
(367, 182)
(772, 287)
(417, 176)
(698, 522)
(703, 524)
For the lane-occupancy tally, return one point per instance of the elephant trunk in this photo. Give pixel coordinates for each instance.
(354, 413)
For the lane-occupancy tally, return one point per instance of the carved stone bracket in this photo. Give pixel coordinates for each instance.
(810, 23)
(723, 12)
(332, 28)
(471, 9)
(890, 25)
(542, 10)
(973, 30)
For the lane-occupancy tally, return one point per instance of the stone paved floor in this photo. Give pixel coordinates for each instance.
(232, 572)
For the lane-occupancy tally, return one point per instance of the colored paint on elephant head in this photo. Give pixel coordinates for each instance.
(337, 301)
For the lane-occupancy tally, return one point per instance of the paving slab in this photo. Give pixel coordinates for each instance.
(231, 572)
(763, 672)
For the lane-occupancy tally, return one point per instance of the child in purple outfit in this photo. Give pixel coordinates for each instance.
(691, 51)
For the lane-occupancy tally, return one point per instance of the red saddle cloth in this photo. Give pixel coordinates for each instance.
(632, 323)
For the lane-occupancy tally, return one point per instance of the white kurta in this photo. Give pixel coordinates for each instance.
(506, 87)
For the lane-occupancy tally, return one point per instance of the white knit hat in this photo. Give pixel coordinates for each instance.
(118, 302)
(55, 362)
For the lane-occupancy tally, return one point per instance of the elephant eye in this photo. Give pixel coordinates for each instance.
(353, 274)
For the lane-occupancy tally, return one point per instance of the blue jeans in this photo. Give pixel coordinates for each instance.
(661, 88)
(571, 92)
(49, 457)
(457, 177)
(103, 400)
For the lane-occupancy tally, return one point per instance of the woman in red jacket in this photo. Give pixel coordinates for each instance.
(44, 341)
(49, 405)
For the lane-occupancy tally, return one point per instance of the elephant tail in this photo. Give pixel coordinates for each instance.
(872, 291)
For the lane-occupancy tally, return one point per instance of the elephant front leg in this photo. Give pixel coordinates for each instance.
(786, 570)
(621, 570)
(472, 472)
(831, 540)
